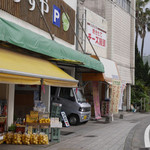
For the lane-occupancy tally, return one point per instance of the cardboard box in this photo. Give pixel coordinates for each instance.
(43, 115)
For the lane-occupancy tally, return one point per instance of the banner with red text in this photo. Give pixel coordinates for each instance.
(96, 35)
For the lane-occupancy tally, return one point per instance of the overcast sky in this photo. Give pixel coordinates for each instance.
(147, 42)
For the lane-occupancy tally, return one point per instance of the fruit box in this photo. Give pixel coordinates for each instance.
(34, 114)
(43, 115)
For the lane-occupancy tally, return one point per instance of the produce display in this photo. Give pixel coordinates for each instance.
(3, 139)
(43, 139)
(34, 138)
(17, 135)
(44, 120)
(9, 138)
(26, 139)
(17, 138)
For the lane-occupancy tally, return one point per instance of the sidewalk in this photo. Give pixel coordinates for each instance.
(94, 135)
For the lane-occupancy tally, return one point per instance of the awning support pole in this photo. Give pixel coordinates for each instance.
(44, 20)
(87, 37)
(73, 29)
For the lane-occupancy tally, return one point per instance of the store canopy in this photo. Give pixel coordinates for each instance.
(24, 38)
(111, 72)
(18, 68)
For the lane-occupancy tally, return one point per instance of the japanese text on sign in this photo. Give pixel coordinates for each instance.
(65, 119)
(96, 35)
(44, 5)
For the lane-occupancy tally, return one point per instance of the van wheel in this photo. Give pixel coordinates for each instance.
(73, 120)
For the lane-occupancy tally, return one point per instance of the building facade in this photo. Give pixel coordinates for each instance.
(37, 47)
(120, 18)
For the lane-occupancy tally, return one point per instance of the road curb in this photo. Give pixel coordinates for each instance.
(129, 139)
(132, 136)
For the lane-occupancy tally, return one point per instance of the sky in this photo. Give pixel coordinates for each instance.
(147, 42)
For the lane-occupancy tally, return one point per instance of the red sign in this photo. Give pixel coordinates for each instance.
(96, 35)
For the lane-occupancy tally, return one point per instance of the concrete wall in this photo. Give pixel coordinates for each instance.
(120, 33)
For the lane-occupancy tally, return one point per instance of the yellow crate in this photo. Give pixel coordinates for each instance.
(43, 115)
(30, 119)
(34, 114)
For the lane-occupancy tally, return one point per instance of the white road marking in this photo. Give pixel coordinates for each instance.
(146, 137)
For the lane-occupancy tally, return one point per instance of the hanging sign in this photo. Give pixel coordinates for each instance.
(115, 96)
(96, 35)
(123, 86)
(96, 99)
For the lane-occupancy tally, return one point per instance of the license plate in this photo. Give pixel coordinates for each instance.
(85, 117)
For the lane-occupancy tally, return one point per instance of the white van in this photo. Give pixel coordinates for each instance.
(73, 104)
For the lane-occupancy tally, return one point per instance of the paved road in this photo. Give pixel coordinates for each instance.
(96, 135)
(100, 136)
(138, 137)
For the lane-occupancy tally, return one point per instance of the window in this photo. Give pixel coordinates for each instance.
(67, 93)
(125, 4)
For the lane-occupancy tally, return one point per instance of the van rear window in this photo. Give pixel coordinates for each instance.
(66, 93)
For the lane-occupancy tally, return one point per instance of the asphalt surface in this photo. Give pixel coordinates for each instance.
(135, 138)
(121, 134)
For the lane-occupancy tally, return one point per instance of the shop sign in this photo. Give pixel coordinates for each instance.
(105, 108)
(115, 96)
(56, 16)
(52, 10)
(96, 35)
(65, 119)
(44, 5)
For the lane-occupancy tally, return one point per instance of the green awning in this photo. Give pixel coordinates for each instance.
(24, 38)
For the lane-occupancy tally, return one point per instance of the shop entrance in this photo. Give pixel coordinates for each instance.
(24, 100)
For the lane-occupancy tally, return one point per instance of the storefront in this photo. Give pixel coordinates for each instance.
(32, 60)
(98, 88)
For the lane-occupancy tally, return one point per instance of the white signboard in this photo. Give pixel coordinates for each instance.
(65, 119)
(1, 138)
(96, 35)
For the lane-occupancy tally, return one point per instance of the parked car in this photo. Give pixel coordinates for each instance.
(73, 104)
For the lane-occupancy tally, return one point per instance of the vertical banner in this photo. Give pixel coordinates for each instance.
(105, 108)
(96, 99)
(115, 96)
(123, 85)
